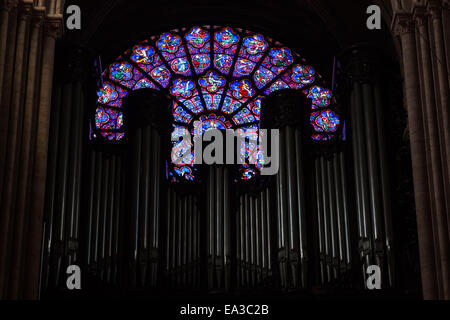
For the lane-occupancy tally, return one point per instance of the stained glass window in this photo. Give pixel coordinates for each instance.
(217, 76)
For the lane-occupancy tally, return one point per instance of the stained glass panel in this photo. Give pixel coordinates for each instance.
(217, 75)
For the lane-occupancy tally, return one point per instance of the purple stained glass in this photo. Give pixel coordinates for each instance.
(107, 94)
(169, 43)
(212, 82)
(255, 44)
(182, 88)
(162, 75)
(181, 66)
(142, 54)
(278, 85)
(121, 71)
(197, 37)
(226, 38)
(325, 121)
(230, 105)
(242, 89)
(281, 57)
(262, 77)
(223, 62)
(201, 62)
(205, 62)
(144, 83)
(320, 97)
(243, 68)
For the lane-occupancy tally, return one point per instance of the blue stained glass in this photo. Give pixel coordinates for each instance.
(161, 75)
(223, 62)
(303, 74)
(255, 106)
(169, 43)
(262, 77)
(321, 137)
(212, 81)
(230, 105)
(121, 71)
(320, 97)
(144, 83)
(180, 115)
(182, 88)
(142, 54)
(255, 44)
(181, 66)
(194, 104)
(212, 101)
(325, 121)
(201, 62)
(226, 38)
(107, 94)
(243, 68)
(244, 116)
(197, 78)
(185, 172)
(278, 85)
(242, 89)
(197, 37)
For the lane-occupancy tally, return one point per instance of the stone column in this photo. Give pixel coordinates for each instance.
(437, 175)
(404, 27)
(24, 174)
(13, 140)
(436, 9)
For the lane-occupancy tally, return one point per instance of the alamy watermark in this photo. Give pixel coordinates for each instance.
(252, 147)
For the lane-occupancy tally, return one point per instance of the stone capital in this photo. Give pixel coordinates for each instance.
(53, 25)
(38, 16)
(435, 7)
(402, 23)
(25, 9)
(421, 15)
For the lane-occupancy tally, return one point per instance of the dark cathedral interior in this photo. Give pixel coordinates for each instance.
(95, 97)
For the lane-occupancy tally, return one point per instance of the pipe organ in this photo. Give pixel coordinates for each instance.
(183, 249)
(332, 219)
(371, 181)
(318, 223)
(283, 111)
(253, 240)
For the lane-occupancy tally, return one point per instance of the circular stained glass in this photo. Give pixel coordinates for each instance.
(216, 77)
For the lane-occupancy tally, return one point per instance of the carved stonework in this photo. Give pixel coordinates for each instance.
(38, 17)
(421, 15)
(25, 10)
(53, 26)
(402, 23)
